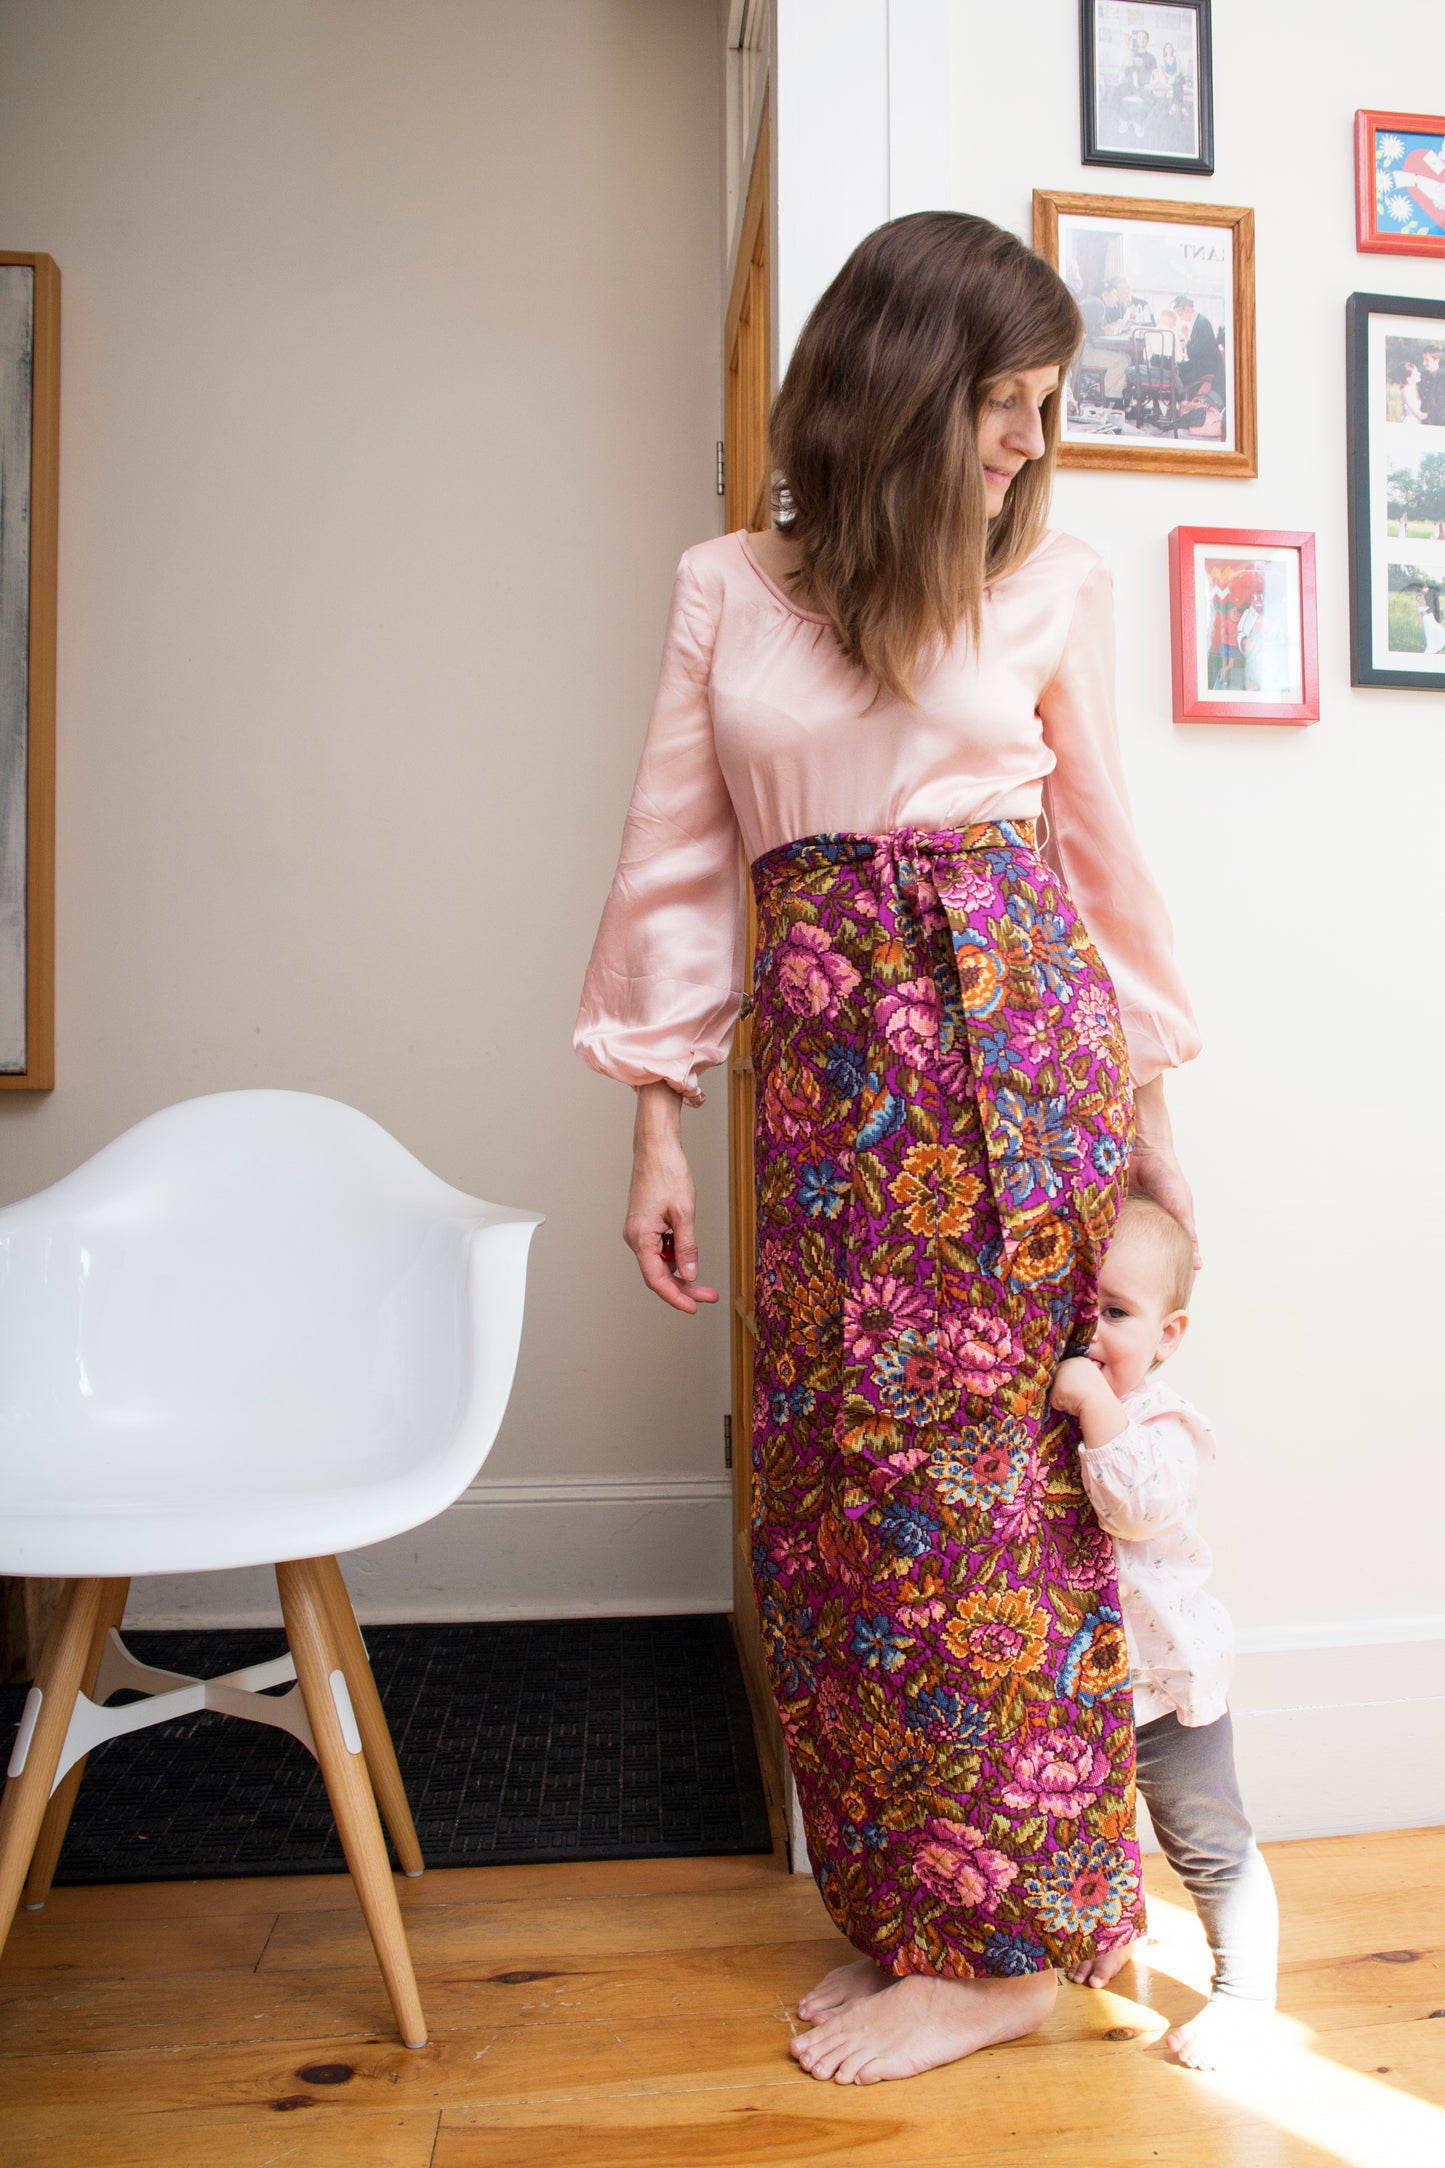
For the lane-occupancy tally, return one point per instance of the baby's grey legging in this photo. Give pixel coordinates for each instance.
(1186, 1774)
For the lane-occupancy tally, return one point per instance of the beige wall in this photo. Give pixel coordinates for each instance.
(390, 389)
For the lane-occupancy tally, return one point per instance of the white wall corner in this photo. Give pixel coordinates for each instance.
(830, 100)
(920, 106)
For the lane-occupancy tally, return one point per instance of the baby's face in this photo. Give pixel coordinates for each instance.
(1136, 1327)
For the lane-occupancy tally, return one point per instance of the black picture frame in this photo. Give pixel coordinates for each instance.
(1370, 543)
(1149, 157)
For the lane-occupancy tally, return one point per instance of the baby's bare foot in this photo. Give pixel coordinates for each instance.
(1225, 2033)
(844, 1984)
(919, 2023)
(1099, 1971)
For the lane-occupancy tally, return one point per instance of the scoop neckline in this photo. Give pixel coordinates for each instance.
(819, 617)
(794, 609)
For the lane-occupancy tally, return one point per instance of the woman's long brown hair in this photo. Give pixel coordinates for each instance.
(874, 433)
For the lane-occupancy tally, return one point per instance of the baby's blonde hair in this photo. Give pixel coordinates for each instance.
(1172, 1243)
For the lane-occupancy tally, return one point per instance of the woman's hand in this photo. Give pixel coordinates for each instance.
(1154, 1166)
(661, 1203)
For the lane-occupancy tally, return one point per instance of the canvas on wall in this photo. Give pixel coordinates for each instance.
(29, 496)
(17, 345)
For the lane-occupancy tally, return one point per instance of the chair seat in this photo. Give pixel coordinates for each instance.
(157, 1525)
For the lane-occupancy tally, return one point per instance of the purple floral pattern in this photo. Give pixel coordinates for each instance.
(944, 1120)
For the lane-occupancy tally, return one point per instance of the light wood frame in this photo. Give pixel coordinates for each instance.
(39, 1071)
(1170, 456)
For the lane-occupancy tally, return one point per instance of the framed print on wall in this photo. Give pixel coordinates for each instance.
(1165, 377)
(1400, 184)
(29, 491)
(1243, 627)
(1146, 85)
(1395, 403)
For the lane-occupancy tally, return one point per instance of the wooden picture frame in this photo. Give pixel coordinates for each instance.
(1400, 177)
(1142, 102)
(1244, 636)
(30, 468)
(1165, 379)
(1395, 415)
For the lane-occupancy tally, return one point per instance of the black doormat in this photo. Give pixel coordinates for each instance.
(523, 1742)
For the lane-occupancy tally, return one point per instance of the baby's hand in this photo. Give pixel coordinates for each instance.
(1076, 1382)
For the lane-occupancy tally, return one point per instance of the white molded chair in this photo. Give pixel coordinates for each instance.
(251, 1331)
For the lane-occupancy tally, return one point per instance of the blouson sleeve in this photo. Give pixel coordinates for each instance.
(1142, 1482)
(1093, 844)
(664, 985)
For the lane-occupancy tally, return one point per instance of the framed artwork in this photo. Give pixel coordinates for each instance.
(29, 490)
(1242, 619)
(1165, 377)
(1400, 184)
(1395, 402)
(1146, 84)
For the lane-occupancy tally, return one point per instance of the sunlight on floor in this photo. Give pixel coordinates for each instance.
(1350, 2116)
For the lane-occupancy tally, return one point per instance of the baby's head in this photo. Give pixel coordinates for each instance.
(1145, 1284)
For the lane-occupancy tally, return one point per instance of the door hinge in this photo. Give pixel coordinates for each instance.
(727, 1441)
(722, 468)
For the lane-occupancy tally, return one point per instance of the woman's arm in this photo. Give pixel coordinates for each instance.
(664, 984)
(1154, 1166)
(660, 1229)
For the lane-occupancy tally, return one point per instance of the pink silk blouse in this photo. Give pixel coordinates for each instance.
(762, 732)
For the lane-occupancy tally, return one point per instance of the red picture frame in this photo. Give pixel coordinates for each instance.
(1243, 627)
(1421, 208)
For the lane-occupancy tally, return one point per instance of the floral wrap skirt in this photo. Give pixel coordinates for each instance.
(943, 1127)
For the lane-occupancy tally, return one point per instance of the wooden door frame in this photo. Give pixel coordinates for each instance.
(747, 376)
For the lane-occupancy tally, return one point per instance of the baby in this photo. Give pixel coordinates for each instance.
(1143, 1452)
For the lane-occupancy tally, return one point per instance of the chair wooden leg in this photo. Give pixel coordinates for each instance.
(57, 1681)
(45, 1858)
(371, 1721)
(320, 1670)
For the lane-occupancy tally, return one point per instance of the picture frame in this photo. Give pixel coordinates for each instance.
(30, 473)
(1244, 631)
(1165, 378)
(1395, 413)
(1400, 184)
(1146, 85)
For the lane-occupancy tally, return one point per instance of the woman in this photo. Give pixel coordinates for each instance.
(1412, 408)
(872, 701)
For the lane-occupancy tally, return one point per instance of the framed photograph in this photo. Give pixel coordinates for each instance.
(29, 492)
(1242, 618)
(1395, 401)
(1146, 85)
(1400, 184)
(1165, 377)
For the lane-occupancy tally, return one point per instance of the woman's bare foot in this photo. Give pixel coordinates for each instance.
(1225, 2033)
(920, 2022)
(1099, 1971)
(844, 1984)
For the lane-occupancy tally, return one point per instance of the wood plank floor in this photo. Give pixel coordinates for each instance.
(637, 2016)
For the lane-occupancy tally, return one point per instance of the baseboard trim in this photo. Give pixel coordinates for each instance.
(1352, 1633)
(576, 1490)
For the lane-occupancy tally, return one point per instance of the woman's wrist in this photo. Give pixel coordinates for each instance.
(658, 1120)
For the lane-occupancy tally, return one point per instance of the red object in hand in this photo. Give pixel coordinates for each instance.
(669, 1249)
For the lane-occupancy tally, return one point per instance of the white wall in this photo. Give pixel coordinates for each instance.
(1305, 900)
(391, 365)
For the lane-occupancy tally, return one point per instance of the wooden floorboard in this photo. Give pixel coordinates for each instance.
(637, 2015)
